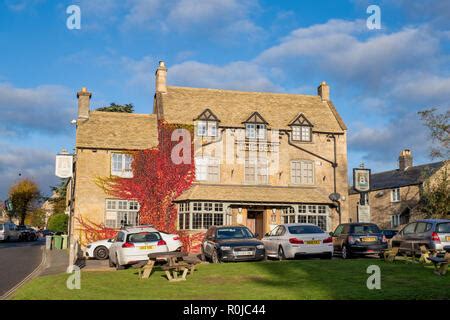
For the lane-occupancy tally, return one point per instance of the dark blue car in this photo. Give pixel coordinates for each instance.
(351, 239)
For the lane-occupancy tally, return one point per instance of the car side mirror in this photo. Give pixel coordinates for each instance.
(331, 234)
(110, 240)
(267, 234)
(256, 235)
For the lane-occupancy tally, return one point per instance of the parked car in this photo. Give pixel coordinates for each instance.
(9, 232)
(231, 243)
(26, 233)
(133, 245)
(358, 239)
(389, 233)
(292, 240)
(100, 249)
(433, 233)
(46, 232)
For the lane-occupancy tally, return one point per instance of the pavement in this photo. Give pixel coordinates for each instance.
(18, 260)
(56, 262)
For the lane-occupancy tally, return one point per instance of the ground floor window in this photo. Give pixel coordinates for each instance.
(201, 215)
(121, 213)
(303, 213)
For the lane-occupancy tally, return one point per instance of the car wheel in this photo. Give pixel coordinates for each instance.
(118, 266)
(281, 255)
(344, 253)
(328, 256)
(101, 253)
(215, 257)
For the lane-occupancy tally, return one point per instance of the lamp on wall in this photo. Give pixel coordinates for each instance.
(240, 210)
(274, 210)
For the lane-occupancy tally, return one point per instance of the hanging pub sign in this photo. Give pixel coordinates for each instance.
(361, 179)
(64, 165)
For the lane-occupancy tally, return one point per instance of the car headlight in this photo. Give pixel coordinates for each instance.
(225, 248)
(88, 246)
(260, 246)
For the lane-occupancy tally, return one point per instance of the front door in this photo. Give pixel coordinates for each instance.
(255, 223)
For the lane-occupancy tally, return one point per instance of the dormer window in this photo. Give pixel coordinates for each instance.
(255, 127)
(301, 129)
(207, 124)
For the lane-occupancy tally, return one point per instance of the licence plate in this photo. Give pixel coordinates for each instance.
(447, 238)
(147, 247)
(243, 253)
(313, 242)
(369, 239)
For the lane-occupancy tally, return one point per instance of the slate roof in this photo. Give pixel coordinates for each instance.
(395, 178)
(253, 194)
(117, 131)
(182, 105)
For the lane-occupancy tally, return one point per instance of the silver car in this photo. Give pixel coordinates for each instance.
(433, 233)
(292, 240)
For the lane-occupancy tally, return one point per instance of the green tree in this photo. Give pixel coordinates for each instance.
(435, 198)
(58, 222)
(126, 108)
(25, 196)
(439, 126)
(36, 218)
(58, 200)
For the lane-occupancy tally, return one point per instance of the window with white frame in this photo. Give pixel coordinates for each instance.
(206, 128)
(207, 169)
(256, 171)
(121, 213)
(301, 133)
(315, 214)
(395, 220)
(201, 215)
(302, 172)
(121, 165)
(395, 195)
(255, 131)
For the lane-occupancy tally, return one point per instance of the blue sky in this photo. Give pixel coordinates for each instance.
(379, 79)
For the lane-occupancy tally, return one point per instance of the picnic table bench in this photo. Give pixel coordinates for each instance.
(173, 267)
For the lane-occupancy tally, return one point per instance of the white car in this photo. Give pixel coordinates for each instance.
(100, 249)
(9, 232)
(133, 245)
(292, 240)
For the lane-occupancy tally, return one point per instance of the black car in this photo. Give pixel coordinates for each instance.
(358, 239)
(232, 243)
(26, 233)
(389, 233)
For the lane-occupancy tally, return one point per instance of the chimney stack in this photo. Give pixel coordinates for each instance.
(324, 91)
(405, 160)
(161, 78)
(84, 101)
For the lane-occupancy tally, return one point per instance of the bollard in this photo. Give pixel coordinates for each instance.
(48, 242)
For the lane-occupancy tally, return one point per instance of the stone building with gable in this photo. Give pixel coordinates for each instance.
(260, 158)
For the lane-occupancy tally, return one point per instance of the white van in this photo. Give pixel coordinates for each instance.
(9, 232)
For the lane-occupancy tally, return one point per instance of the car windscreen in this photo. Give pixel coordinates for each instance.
(143, 237)
(1, 226)
(233, 233)
(364, 228)
(389, 232)
(304, 229)
(443, 227)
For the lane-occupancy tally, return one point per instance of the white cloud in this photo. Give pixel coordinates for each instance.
(33, 163)
(45, 109)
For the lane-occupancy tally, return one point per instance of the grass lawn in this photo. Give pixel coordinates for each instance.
(300, 279)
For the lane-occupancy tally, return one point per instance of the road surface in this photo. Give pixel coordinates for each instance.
(17, 261)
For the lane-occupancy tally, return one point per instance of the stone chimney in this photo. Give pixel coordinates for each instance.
(324, 91)
(161, 78)
(84, 101)
(405, 160)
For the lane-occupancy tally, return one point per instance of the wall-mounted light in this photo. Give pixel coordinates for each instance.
(240, 210)
(274, 210)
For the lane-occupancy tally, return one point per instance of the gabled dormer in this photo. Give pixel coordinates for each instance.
(206, 124)
(301, 129)
(255, 127)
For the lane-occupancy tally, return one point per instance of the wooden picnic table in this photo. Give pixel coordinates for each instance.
(173, 266)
